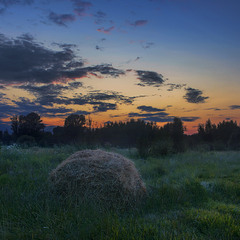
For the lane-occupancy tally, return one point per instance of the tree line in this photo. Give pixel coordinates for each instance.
(147, 137)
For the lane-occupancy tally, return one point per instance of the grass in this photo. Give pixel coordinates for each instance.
(193, 195)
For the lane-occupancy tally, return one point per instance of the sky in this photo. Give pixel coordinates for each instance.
(115, 60)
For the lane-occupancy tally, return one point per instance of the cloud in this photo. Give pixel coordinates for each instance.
(144, 44)
(7, 3)
(61, 19)
(147, 45)
(105, 69)
(1, 95)
(149, 78)
(100, 17)
(24, 106)
(146, 115)
(109, 95)
(234, 107)
(2, 10)
(82, 4)
(194, 96)
(65, 46)
(81, 7)
(214, 109)
(160, 117)
(173, 86)
(23, 61)
(52, 94)
(103, 107)
(138, 23)
(49, 89)
(106, 30)
(99, 48)
(189, 119)
(150, 109)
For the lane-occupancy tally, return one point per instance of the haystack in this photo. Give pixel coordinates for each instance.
(98, 176)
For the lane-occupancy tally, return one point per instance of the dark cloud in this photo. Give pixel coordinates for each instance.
(96, 96)
(45, 90)
(100, 17)
(106, 30)
(173, 86)
(2, 10)
(61, 19)
(82, 4)
(23, 61)
(234, 107)
(24, 106)
(214, 109)
(65, 46)
(150, 109)
(189, 119)
(1, 95)
(194, 96)
(99, 48)
(52, 94)
(149, 78)
(75, 85)
(146, 115)
(81, 7)
(103, 107)
(139, 23)
(146, 45)
(105, 69)
(7, 3)
(158, 119)
(49, 94)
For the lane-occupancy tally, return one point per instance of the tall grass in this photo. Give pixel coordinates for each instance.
(190, 196)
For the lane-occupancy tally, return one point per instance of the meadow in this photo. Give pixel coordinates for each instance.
(192, 195)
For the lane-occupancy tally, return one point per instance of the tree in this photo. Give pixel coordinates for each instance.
(74, 128)
(175, 131)
(30, 125)
(6, 137)
(15, 126)
(75, 120)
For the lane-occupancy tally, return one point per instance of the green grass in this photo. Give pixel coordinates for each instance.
(192, 195)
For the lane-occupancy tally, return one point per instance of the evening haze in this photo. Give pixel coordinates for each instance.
(116, 60)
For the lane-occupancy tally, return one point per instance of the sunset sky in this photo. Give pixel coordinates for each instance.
(117, 59)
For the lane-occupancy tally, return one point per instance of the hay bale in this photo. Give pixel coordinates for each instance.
(99, 176)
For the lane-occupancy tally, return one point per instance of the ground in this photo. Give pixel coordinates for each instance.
(193, 195)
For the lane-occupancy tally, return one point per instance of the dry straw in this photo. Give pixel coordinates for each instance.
(98, 176)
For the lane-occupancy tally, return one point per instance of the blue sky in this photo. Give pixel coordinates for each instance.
(155, 53)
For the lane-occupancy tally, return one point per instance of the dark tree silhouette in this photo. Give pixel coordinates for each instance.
(75, 120)
(30, 125)
(15, 126)
(175, 131)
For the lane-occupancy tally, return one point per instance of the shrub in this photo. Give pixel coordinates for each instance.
(161, 147)
(26, 141)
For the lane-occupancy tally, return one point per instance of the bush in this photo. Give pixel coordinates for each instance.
(161, 147)
(26, 141)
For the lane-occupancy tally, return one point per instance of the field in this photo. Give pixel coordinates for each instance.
(193, 195)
